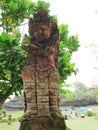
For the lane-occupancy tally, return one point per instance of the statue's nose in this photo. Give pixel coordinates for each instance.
(41, 30)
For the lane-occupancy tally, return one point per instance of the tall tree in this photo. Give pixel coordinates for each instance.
(12, 15)
(82, 92)
(12, 57)
(68, 45)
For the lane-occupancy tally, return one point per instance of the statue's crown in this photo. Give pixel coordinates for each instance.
(41, 15)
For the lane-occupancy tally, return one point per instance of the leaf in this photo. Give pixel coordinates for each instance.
(71, 66)
(4, 37)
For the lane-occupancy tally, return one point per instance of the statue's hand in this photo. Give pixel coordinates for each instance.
(27, 42)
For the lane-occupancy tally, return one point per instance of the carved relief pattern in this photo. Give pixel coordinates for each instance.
(40, 74)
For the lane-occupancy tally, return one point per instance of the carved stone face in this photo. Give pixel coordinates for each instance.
(42, 32)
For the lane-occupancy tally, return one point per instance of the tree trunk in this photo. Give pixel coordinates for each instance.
(5, 96)
(1, 105)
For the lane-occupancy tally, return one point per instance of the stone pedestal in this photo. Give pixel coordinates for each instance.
(54, 122)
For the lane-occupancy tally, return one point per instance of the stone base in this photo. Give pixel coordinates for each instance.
(54, 122)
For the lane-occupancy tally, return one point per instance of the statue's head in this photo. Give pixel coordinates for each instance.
(42, 32)
(40, 26)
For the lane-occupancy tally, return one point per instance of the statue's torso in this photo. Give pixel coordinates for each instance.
(43, 60)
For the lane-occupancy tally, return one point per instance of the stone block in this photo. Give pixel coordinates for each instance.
(42, 85)
(43, 112)
(53, 85)
(29, 85)
(30, 98)
(52, 98)
(43, 106)
(27, 76)
(42, 99)
(42, 92)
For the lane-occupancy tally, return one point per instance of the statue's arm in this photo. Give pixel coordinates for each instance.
(27, 44)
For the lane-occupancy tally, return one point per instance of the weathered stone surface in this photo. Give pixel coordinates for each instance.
(55, 122)
(41, 92)
(40, 75)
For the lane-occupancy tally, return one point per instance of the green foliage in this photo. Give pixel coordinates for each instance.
(54, 18)
(2, 114)
(42, 4)
(82, 92)
(89, 113)
(96, 94)
(14, 117)
(97, 98)
(69, 95)
(68, 45)
(11, 55)
(13, 13)
(3, 88)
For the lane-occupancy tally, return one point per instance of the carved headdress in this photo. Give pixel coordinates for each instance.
(40, 16)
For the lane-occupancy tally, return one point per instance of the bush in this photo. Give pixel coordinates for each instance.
(89, 113)
(94, 113)
(14, 117)
(76, 114)
(2, 114)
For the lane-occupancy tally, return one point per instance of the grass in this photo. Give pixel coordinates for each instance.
(13, 126)
(83, 124)
(74, 124)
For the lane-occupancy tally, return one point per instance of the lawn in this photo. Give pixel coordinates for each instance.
(83, 124)
(74, 124)
(13, 126)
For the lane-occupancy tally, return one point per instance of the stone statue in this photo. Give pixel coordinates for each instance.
(40, 74)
